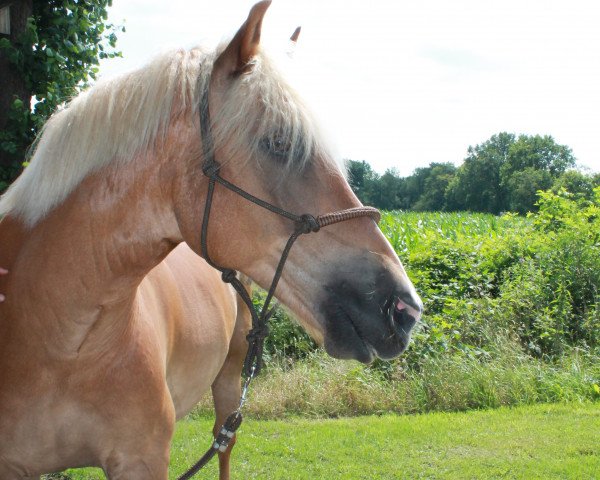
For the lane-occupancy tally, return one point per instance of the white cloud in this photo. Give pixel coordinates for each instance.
(403, 84)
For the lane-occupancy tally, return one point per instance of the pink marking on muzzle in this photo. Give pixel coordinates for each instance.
(401, 306)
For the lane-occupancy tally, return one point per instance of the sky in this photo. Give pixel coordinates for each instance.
(401, 83)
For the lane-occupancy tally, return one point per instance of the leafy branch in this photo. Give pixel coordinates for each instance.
(56, 56)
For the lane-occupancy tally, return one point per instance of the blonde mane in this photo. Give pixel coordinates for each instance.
(120, 117)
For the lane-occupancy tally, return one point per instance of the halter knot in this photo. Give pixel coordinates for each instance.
(210, 169)
(228, 275)
(258, 333)
(307, 224)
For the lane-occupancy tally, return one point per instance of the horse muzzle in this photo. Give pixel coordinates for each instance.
(365, 318)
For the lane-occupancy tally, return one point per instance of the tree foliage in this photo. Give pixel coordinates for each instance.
(477, 185)
(578, 184)
(435, 183)
(56, 56)
(363, 180)
(504, 173)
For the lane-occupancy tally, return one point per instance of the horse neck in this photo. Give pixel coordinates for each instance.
(84, 261)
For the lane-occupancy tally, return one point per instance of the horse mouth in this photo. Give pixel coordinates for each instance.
(355, 345)
(349, 336)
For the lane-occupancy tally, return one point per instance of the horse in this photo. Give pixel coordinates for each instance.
(113, 325)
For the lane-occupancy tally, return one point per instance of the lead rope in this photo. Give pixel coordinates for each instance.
(224, 437)
(304, 224)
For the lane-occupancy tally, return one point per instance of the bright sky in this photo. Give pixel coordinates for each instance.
(405, 83)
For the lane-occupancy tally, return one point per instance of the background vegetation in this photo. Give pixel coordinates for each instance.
(511, 317)
(52, 52)
(502, 174)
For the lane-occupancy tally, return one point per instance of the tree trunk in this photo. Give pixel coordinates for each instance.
(11, 83)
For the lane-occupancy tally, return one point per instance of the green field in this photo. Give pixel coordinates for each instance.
(558, 441)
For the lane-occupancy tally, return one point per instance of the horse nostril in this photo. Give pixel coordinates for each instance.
(403, 319)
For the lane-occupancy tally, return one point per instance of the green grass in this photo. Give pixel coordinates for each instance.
(559, 441)
(320, 386)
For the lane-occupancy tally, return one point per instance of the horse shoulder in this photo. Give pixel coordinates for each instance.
(194, 313)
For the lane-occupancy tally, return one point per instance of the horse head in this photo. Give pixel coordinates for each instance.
(345, 284)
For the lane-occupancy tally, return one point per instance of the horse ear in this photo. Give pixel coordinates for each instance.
(237, 57)
(296, 34)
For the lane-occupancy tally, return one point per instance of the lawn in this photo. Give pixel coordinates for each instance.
(560, 441)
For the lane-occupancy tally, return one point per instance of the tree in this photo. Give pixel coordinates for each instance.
(412, 187)
(12, 86)
(504, 172)
(539, 153)
(578, 184)
(363, 181)
(53, 51)
(477, 186)
(524, 185)
(533, 163)
(433, 196)
(389, 186)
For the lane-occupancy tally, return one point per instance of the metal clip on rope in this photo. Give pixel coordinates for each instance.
(220, 444)
(227, 431)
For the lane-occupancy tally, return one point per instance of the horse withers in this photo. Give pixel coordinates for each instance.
(112, 329)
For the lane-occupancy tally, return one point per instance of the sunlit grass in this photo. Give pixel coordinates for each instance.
(534, 442)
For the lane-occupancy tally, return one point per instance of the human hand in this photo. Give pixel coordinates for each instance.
(3, 271)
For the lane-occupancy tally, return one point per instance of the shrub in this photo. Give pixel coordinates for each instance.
(287, 341)
(508, 301)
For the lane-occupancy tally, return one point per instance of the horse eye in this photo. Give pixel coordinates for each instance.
(277, 146)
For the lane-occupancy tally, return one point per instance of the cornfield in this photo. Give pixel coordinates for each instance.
(406, 231)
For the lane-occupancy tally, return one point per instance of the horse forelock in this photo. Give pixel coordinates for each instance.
(262, 105)
(118, 118)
